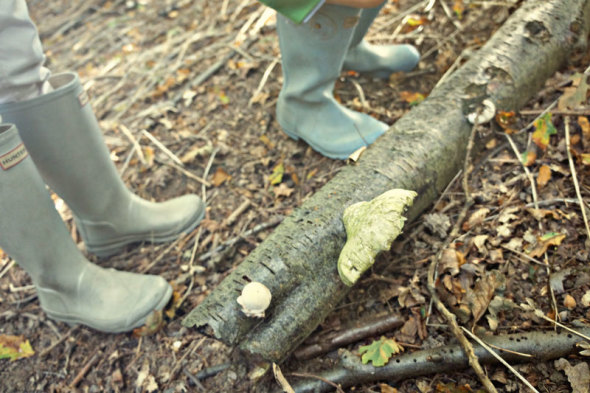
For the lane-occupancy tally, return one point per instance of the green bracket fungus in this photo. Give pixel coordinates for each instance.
(371, 227)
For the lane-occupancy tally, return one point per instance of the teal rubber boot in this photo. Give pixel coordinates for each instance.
(64, 140)
(69, 287)
(312, 58)
(377, 60)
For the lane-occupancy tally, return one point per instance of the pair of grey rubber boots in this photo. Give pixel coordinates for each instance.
(67, 152)
(64, 148)
(313, 56)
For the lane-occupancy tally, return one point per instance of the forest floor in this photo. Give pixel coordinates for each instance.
(194, 85)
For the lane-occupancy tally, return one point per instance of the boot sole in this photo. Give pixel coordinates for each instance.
(107, 250)
(334, 156)
(73, 320)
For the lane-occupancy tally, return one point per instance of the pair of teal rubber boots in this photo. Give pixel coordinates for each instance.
(313, 56)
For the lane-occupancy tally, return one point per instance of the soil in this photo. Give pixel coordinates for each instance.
(202, 78)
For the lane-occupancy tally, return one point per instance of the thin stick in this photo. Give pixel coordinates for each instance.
(55, 344)
(194, 380)
(324, 380)
(280, 378)
(432, 273)
(132, 139)
(574, 176)
(504, 362)
(162, 254)
(205, 174)
(236, 213)
(526, 170)
(84, 370)
(188, 174)
(450, 15)
(193, 347)
(557, 112)
(231, 242)
(536, 205)
(191, 267)
(523, 255)
(263, 80)
(540, 314)
(163, 148)
(7, 268)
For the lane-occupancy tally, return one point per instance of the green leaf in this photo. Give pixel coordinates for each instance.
(379, 352)
(544, 128)
(15, 347)
(277, 174)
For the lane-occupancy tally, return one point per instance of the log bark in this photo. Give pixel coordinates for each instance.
(422, 151)
(541, 345)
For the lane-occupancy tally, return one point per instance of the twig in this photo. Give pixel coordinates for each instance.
(445, 359)
(280, 378)
(356, 333)
(536, 206)
(306, 375)
(574, 176)
(84, 370)
(450, 15)
(551, 106)
(401, 15)
(449, 316)
(191, 267)
(163, 148)
(192, 348)
(7, 268)
(206, 173)
(194, 380)
(50, 348)
(236, 213)
(213, 370)
(523, 255)
(581, 112)
(162, 255)
(504, 362)
(188, 173)
(263, 80)
(133, 141)
(229, 243)
(466, 53)
(548, 202)
(540, 314)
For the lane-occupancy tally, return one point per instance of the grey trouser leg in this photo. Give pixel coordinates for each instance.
(22, 75)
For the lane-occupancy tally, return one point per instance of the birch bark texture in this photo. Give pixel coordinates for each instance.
(422, 151)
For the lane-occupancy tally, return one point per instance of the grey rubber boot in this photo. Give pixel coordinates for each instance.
(377, 60)
(70, 288)
(64, 140)
(312, 58)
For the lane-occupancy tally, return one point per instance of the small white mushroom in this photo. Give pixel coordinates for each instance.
(488, 111)
(255, 299)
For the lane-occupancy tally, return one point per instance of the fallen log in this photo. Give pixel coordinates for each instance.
(422, 151)
(541, 346)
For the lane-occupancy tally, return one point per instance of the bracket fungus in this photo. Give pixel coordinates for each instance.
(371, 227)
(255, 299)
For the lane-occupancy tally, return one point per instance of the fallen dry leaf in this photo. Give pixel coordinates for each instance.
(569, 302)
(544, 176)
(578, 375)
(220, 176)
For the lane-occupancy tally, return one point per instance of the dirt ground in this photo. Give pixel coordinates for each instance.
(202, 78)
